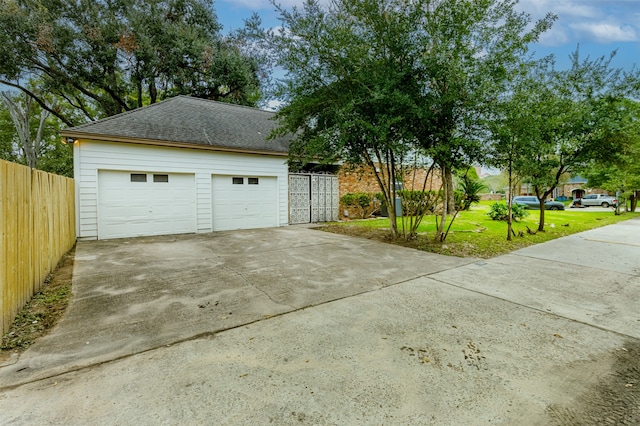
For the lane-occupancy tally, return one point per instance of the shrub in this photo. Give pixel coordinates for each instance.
(359, 200)
(499, 211)
(417, 203)
(468, 192)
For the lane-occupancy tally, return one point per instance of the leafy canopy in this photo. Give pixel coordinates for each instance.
(395, 82)
(105, 57)
(556, 122)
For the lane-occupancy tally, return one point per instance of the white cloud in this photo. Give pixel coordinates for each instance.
(599, 21)
(250, 4)
(605, 33)
(273, 105)
(263, 4)
(564, 9)
(556, 36)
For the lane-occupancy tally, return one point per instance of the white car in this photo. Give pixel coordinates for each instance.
(597, 200)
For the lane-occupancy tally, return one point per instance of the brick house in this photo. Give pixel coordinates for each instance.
(572, 188)
(363, 179)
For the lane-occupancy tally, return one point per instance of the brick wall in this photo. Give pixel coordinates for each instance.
(362, 179)
(492, 197)
(566, 189)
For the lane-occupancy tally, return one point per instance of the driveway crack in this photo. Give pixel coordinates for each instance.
(246, 280)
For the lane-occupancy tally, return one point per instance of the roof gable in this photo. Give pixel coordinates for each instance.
(185, 120)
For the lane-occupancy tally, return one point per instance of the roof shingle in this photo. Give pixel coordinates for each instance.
(187, 120)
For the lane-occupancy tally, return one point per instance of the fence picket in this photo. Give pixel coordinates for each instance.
(37, 227)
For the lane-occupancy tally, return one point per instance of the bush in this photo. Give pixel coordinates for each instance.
(359, 200)
(417, 203)
(468, 192)
(499, 211)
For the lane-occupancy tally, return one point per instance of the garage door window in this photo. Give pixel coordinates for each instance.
(238, 181)
(253, 181)
(138, 177)
(161, 178)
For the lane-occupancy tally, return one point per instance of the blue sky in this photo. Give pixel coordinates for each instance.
(598, 26)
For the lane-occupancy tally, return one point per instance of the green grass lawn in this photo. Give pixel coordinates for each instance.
(474, 234)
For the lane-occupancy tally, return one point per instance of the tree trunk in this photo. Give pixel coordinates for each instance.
(633, 198)
(451, 200)
(541, 224)
(21, 117)
(445, 204)
(510, 205)
(384, 171)
(153, 90)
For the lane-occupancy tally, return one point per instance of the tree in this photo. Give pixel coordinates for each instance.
(104, 58)
(7, 135)
(621, 174)
(381, 83)
(513, 128)
(30, 135)
(572, 117)
(473, 49)
(21, 111)
(352, 85)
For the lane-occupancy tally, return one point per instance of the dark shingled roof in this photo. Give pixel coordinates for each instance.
(184, 120)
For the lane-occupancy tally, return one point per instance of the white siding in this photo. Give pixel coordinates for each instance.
(92, 156)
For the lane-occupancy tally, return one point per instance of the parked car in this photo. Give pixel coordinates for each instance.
(596, 200)
(533, 203)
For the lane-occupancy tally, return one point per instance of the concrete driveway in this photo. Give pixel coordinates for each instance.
(296, 326)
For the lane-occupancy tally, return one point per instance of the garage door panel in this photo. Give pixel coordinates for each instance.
(244, 206)
(127, 209)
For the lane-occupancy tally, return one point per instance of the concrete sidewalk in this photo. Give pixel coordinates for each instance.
(302, 327)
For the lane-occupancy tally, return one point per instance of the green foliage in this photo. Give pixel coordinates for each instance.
(103, 58)
(358, 102)
(500, 211)
(50, 154)
(555, 122)
(376, 83)
(469, 191)
(474, 234)
(496, 183)
(360, 200)
(415, 205)
(7, 135)
(622, 173)
(57, 158)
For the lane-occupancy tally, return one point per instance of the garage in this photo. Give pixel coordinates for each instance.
(183, 165)
(244, 202)
(133, 203)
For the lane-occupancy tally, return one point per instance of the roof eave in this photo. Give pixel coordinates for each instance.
(123, 139)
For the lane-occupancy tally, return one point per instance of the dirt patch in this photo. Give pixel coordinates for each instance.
(377, 234)
(42, 312)
(615, 397)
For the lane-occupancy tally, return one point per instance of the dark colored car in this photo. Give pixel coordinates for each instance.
(533, 203)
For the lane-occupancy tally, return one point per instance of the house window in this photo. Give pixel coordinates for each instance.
(161, 178)
(138, 177)
(238, 181)
(253, 181)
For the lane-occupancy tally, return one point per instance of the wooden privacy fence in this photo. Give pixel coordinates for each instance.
(37, 227)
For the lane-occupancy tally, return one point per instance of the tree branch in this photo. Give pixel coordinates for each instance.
(39, 100)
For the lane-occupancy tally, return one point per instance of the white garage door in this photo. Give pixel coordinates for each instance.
(132, 204)
(243, 202)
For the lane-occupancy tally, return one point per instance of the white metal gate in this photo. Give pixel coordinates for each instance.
(313, 198)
